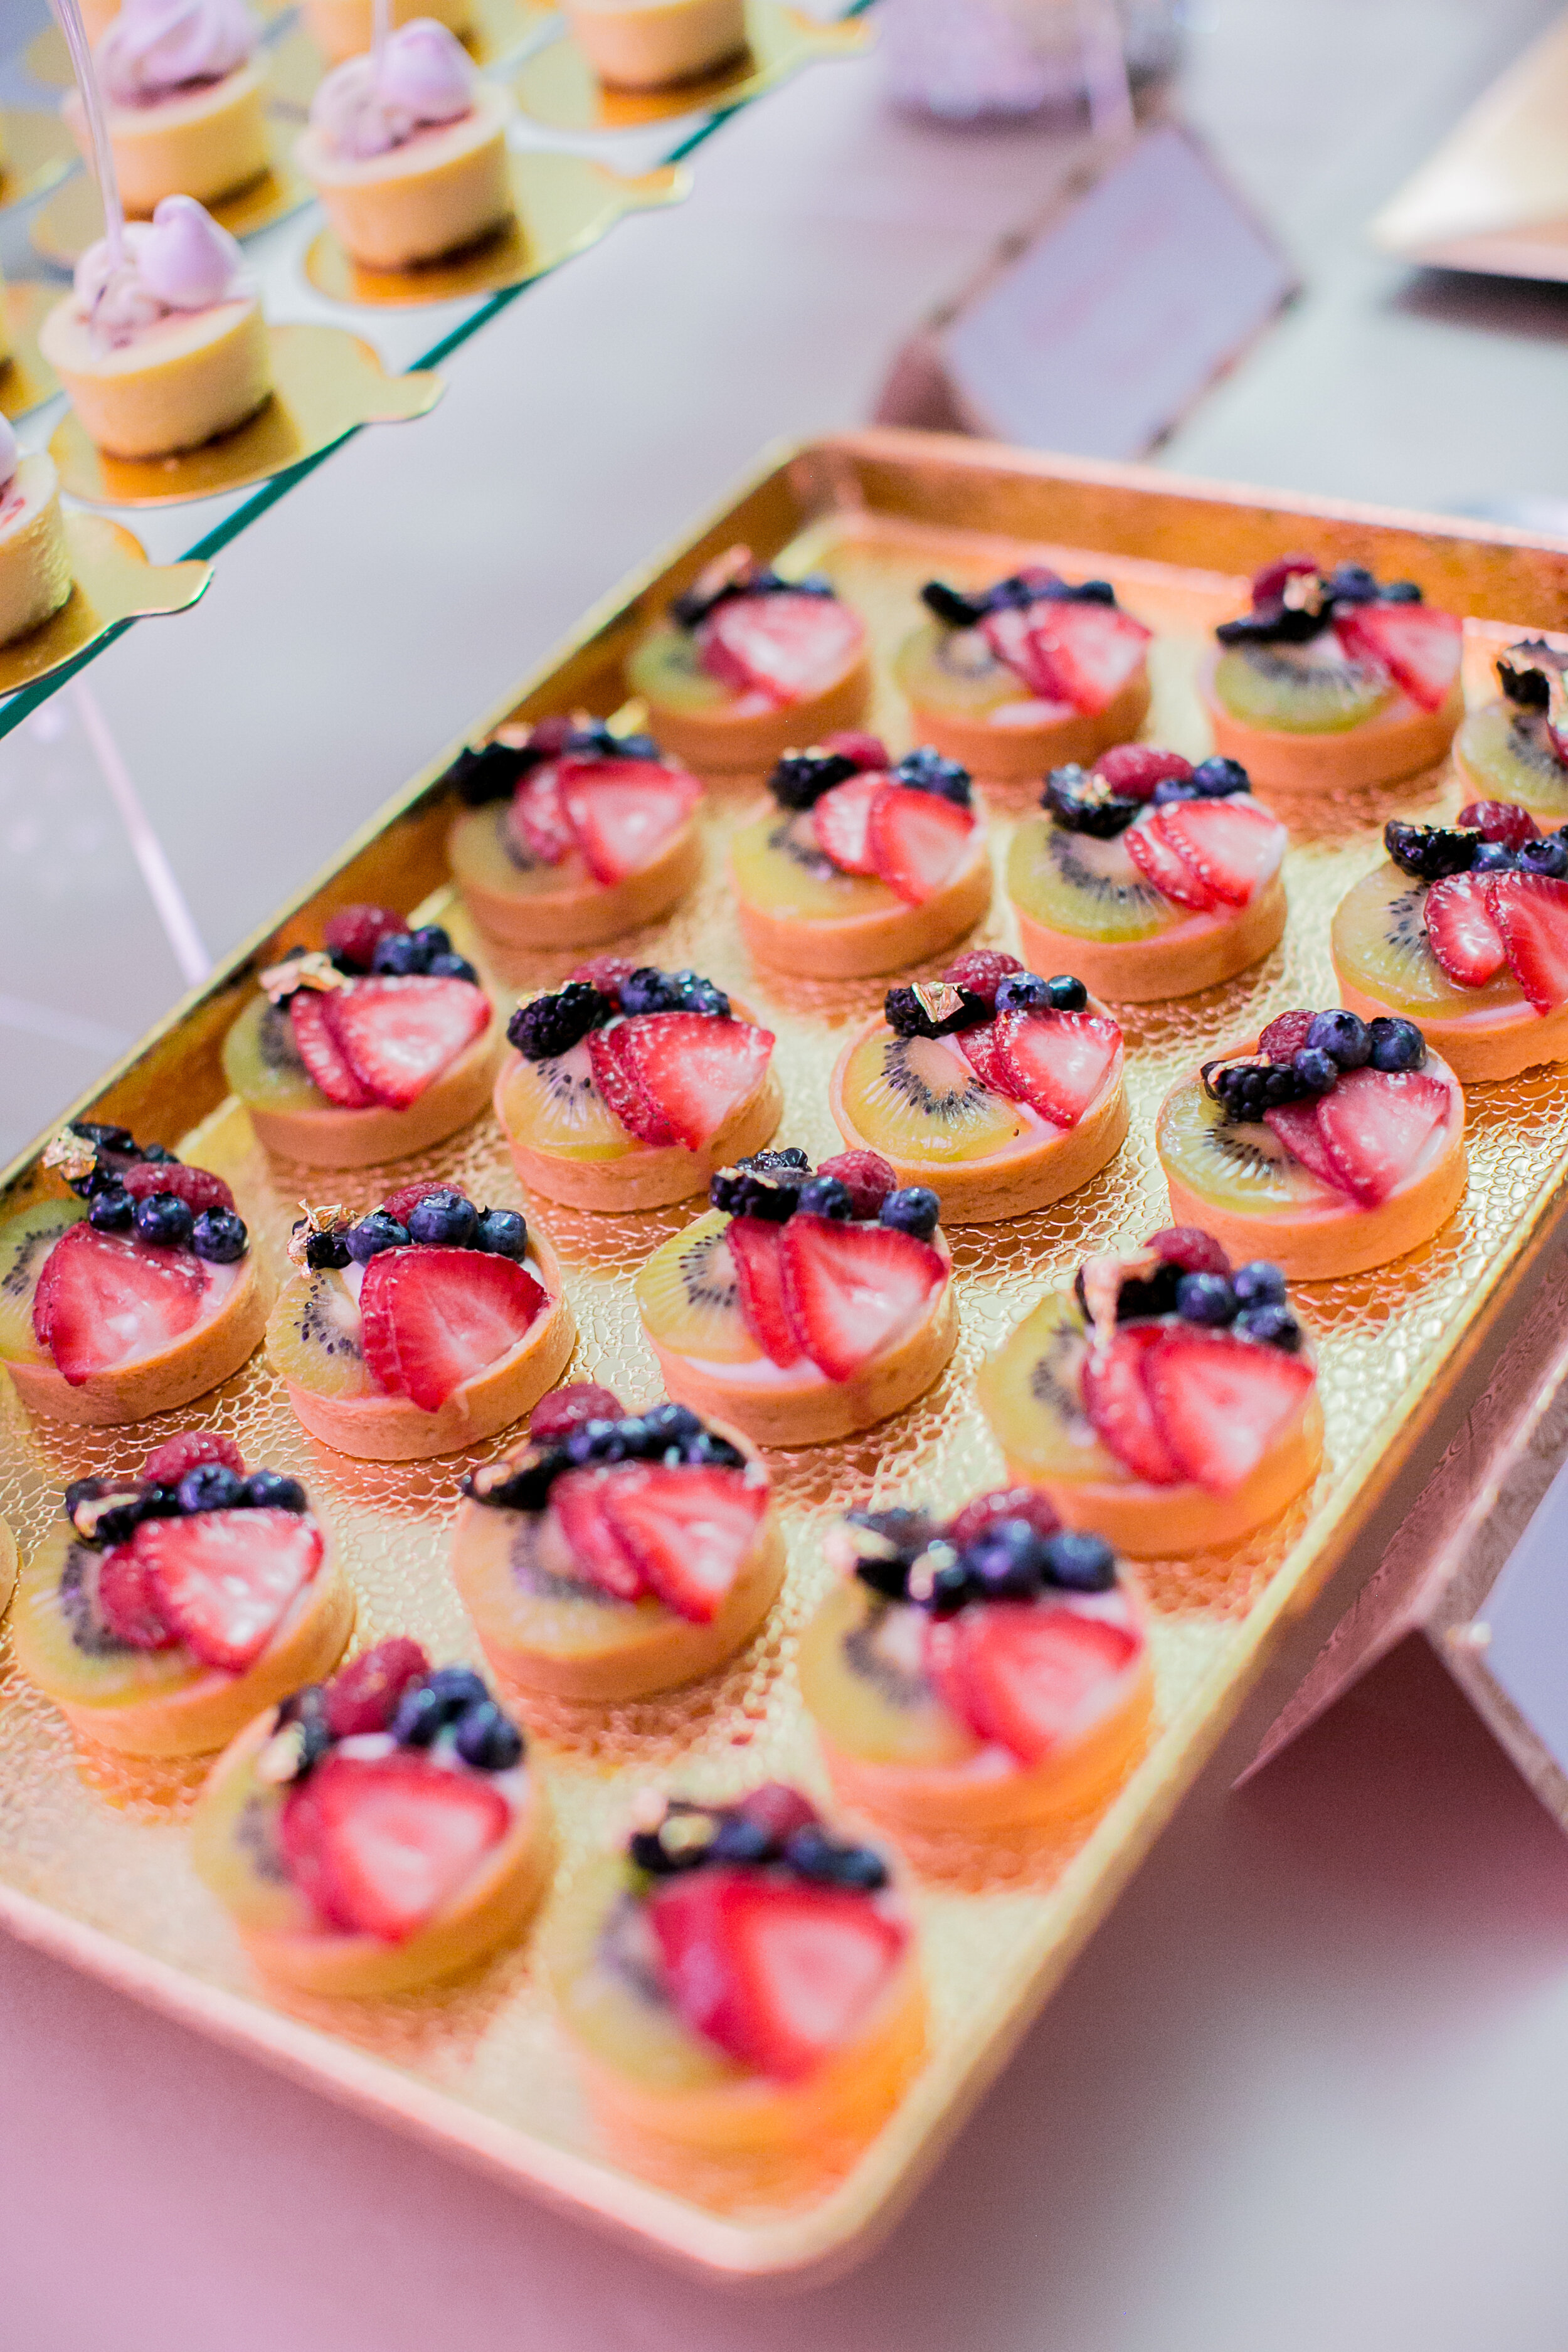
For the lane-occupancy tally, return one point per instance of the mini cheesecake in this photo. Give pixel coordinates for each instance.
(999, 1090)
(35, 562)
(377, 1045)
(1515, 749)
(629, 1087)
(1147, 876)
(1025, 675)
(745, 664)
(163, 1608)
(619, 1554)
(1330, 682)
(739, 1982)
(1464, 931)
(419, 1329)
(987, 1675)
(377, 1832)
(856, 865)
(1325, 1144)
(345, 28)
(136, 1296)
(802, 1308)
(184, 102)
(1165, 1399)
(573, 835)
(649, 43)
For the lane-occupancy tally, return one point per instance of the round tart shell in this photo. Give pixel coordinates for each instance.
(1195, 954)
(1549, 810)
(1017, 755)
(719, 739)
(334, 1138)
(582, 913)
(857, 946)
(648, 1176)
(1399, 740)
(187, 1367)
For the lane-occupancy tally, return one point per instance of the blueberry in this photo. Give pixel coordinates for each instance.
(112, 1210)
(595, 1441)
(1341, 1034)
(1175, 788)
(487, 1737)
(736, 1839)
(637, 1440)
(1351, 584)
(374, 1234)
(1204, 1299)
(824, 1196)
(397, 955)
(709, 1450)
(1258, 1284)
(163, 1219)
(1396, 1044)
(650, 990)
(816, 1855)
(1079, 1562)
(1494, 858)
(1066, 994)
(268, 1490)
(444, 1220)
(1007, 1560)
(503, 1232)
(1023, 991)
(431, 940)
(1273, 1323)
(673, 1422)
(211, 1486)
(950, 1587)
(1317, 1071)
(1216, 779)
(420, 1716)
(451, 966)
(928, 771)
(913, 1209)
(1399, 592)
(1547, 855)
(219, 1236)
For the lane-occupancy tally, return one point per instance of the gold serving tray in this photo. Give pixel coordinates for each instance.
(93, 1864)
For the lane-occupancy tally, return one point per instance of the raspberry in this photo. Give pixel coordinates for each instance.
(1500, 820)
(869, 754)
(606, 973)
(1134, 769)
(1285, 1036)
(1005, 1503)
(355, 933)
(1268, 585)
(167, 1463)
(866, 1176)
(981, 970)
(364, 1698)
(556, 1415)
(548, 738)
(777, 1809)
(198, 1188)
(1194, 1251)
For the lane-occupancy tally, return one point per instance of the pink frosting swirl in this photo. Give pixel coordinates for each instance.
(179, 260)
(156, 46)
(424, 79)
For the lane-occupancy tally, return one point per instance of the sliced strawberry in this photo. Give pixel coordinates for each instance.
(580, 1502)
(355, 932)
(1418, 646)
(840, 819)
(1376, 1124)
(398, 1035)
(1028, 1676)
(1152, 850)
(625, 812)
(1530, 911)
(564, 1410)
(224, 1581)
(362, 1698)
(1057, 1062)
(689, 1530)
(320, 1052)
(1285, 1035)
(695, 1070)
(128, 1602)
(775, 1973)
(1460, 931)
(1233, 846)
(619, 1083)
(916, 841)
(853, 1291)
(1119, 1408)
(1296, 1125)
(981, 1048)
(197, 1187)
(380, 1844)
(408, 1196)
(1502, 820)
(1082, 654)
(754, 1253)
(432, 1319)
(786, 646)
(167, 1463)
(537, 819)
(1009, 633)
(1220, 1400)
(104, 1300)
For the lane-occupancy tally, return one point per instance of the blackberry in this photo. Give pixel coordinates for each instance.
(927, 771)
(490, 773)
(117, 1139)
(647, 990)
(1245, 1090)
(756, 1192)
(553, 1025)
(522, 1484)
(802, 777)
(1427, 852)
(1276, 623)
(1525, 683)
(953, 609)
(329, 1249)
(905, 1534)
(906, 1017)
(699, 996)
(1084, 802)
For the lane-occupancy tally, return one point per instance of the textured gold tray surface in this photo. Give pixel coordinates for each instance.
(481, 2067)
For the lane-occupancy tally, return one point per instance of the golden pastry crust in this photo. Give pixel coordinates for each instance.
(188, 1367)
(722, 741)
(1399, 740)
(331, 1137)
(35, 560)
(857, 946)
(648, 1176)
(582, 913)
(1195, 954)
(1017, 755)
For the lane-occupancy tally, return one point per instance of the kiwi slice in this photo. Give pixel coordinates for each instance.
(62, 1643)
(1310, 689)
(1378, 940)
(779, 867)
(938, 668)
(261, 1061)
(236, 1852)
(917, 1098)
(1071, 882)
(606, 1975)
(864, 1686)
(1028, 1392)
(554, 1106)
(667, 669)
(1507, 753)
(26, 1241)
(313, 1336)
(689, 1299)
(1241, 1166)
(482, 850)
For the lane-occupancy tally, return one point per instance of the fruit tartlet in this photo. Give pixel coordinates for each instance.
(804, 1307)
(857, 864)
(1332, 682)
(628, 1086)
(1515, 749)
(1022, 676)
(134, 1298)
(184, 101)
(1330, 1143)
(619, 1554)
(377, 1831)
(746, 663)
(999, 1090)
(163, 1610)
(373, 1046)
(1465, 930)
(574, 835)
(988, 1674)
(35, 562)
(1166, 1399)
(738, 1980)
(649, 44)
(1151, 877)
(419, 1328)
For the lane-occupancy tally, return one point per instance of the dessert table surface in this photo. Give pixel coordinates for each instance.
(1308, 2085)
